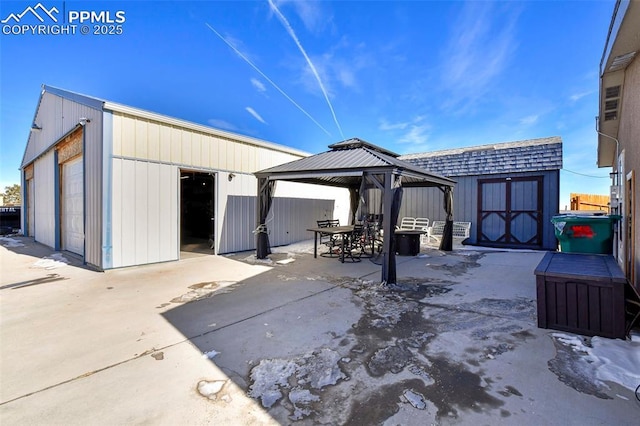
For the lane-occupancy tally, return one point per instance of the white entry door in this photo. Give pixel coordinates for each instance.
(72, 206)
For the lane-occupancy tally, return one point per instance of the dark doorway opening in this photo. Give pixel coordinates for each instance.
(197, 212)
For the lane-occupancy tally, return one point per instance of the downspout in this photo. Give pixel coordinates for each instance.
(107, 179)
(617, 149)
(24, 205)
(615, 179)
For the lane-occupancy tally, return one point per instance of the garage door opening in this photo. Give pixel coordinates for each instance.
(197, 212)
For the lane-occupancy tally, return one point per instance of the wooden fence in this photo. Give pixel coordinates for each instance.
(589, 202)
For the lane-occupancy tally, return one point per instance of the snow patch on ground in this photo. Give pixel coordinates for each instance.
(210, 389)
(301, 247)
(295, 379)
(601, 360)
(56, 260)
(10, 242)
(210, 354)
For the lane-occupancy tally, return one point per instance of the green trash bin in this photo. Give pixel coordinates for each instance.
(585, 233)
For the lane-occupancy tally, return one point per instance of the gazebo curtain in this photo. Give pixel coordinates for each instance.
(389, 276)
(354, 202)
(266, 189)
(446, 244)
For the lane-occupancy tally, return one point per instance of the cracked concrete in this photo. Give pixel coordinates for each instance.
(228, 340)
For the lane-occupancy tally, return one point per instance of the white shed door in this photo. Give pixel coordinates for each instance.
(72, 204)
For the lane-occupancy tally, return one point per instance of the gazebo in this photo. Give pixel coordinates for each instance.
(359, 166)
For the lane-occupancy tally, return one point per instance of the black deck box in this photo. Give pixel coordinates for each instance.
(581, 293)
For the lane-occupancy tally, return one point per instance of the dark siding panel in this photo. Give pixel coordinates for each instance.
(427, 202)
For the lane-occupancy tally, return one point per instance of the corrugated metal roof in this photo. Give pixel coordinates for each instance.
(345, 163)
(520, 156)
(102, 104)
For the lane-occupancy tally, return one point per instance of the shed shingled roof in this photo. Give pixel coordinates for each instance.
(511, 157)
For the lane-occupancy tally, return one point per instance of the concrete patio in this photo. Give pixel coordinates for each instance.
(297, 340)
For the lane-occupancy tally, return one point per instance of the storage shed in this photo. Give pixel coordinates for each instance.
(508, 191)
(120, 186)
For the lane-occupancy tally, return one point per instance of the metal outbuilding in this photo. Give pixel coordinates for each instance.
(120, 186)
(508, 191)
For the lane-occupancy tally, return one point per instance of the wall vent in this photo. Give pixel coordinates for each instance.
(611, 105)
(613, 115)
(612, 92)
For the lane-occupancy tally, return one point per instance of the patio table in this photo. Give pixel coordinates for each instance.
(333, 230)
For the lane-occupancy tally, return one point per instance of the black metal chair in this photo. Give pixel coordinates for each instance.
(332, 241)
(354, 244)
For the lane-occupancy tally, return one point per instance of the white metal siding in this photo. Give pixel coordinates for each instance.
(295, 208)
(92, 156)
(144, 212)
(57, 116)
(44, 196)
(159, 151)
(144, 139)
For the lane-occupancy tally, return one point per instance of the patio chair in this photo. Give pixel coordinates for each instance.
(373, 233)
(354, 244)
(435, 231)
(422, 224)
(332, 241)
(407, 224)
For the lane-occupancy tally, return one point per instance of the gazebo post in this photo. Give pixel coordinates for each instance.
(389, 258)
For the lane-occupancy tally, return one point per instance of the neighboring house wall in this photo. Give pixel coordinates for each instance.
(629, 138)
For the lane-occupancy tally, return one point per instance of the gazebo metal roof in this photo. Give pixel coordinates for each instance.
(345, 164)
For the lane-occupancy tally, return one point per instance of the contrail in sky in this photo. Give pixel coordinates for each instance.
(267, 78)
(289, 29)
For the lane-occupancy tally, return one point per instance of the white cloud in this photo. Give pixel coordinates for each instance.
(335, 71)
(248, 61)
(529, 120)
(287, 26)
(414, 132)
(478, 51)
(258, 85)
(221, 124)
(314, 17)
(385, 125)
(577, 96)
(417, 135)
(255, 115)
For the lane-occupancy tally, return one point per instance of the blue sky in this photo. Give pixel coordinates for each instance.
(410, 76)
